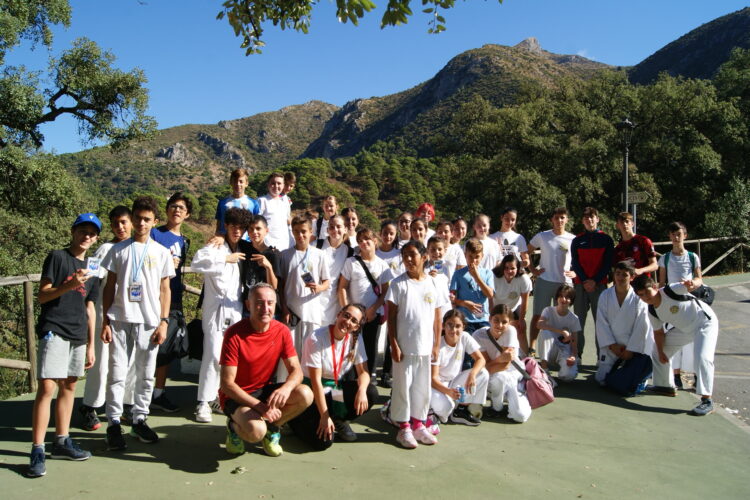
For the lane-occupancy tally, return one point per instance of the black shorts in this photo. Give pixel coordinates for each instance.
(262, 394)
(515, 313)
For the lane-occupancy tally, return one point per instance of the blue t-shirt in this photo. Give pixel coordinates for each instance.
(468, 289)
(176, 244)
(245, 202)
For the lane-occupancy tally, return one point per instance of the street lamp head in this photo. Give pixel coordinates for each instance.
(625, 127)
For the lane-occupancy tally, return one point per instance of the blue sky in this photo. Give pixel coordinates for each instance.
(198, 74)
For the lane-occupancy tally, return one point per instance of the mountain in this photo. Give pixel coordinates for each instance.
(192, 157)
(494, 71)
(699, 53)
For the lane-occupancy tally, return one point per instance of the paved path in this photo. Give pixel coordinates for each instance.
(588, 444)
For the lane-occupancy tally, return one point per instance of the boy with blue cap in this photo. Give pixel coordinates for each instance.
(66, 339)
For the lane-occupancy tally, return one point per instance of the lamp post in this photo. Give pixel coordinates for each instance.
(625, 127)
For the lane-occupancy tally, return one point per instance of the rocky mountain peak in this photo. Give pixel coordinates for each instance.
(531, 44)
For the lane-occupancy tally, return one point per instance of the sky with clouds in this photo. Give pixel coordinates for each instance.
(198, 74)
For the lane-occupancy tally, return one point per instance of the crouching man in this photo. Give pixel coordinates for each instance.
(693, 321)
(255, 405)
(622, 325)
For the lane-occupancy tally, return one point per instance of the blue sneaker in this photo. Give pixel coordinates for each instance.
(37, 468)
(703, 409)
(69, 450)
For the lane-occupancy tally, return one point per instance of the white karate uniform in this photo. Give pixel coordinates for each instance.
(276, 212)
(693, 323)
(552, 350)
(222, 307)
(503, 385)
(625, 324)
(450, 375)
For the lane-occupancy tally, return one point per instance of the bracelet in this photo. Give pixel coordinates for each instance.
(166, 320)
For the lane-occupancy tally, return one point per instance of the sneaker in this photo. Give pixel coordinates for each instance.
(678, 380)
(89, 419)
(462, 415)
(703, 409)
(164, 404)
(385, 414)
(203, 413)
(37, 468)
(386, 380)
(405, 438)
(69, 450)
(433, 428)
(143, 432)
(344, 431)
(662, 390)
(216, 407)
(115, 440)
(424, 436)
(234, 444)
(492, 413)
(271, 444)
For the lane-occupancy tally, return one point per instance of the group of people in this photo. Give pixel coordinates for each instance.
(293, 308)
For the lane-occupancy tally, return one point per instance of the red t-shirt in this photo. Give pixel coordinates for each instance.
(639, 248)
(255, 354)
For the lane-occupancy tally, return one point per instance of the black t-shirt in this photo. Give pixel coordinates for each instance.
(251, 272)
(66, 315)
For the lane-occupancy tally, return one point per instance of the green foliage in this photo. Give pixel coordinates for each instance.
(247, 17)
(30, 20)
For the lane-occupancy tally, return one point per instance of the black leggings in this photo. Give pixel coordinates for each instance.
(370, 337)
(305, 426)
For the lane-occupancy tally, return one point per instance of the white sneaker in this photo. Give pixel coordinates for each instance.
(424, 436)
(405, 438)
(203, 413)
(434, 429)
(216, 407)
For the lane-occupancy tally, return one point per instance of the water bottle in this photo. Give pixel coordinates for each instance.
(462, 394)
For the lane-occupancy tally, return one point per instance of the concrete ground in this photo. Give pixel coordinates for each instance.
(587, 444)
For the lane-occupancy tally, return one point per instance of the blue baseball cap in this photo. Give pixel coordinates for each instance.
(88, 218)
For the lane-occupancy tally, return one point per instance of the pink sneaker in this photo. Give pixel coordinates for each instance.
(405, 438)
(424, 436)
(433, 429)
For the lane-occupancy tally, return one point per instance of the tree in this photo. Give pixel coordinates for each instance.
(246, 17)
(109, 104)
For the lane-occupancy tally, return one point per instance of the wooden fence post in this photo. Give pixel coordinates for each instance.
(28, 302)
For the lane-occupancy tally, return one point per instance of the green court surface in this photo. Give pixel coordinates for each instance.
(587, 444)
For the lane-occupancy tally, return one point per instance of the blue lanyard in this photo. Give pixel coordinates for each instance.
(136, 270)
(305, 267)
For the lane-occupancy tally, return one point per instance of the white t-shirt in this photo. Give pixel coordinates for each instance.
(555, 255)
(680, 267)
(686, 315)
(392, 257)
(568, 322)
(509, 338)
(510, 242)
(336, 257)
(276, 212)
(451, 358)
(427, 235)
(157, 263)
(454, 257)
(491, 253)
(300, 299)
(317, 353)
(510, 293)
(416, 301)
(323, 228)
(360, 290)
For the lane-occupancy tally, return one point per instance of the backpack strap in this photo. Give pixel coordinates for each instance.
(513, 362)
(318, 224)
(373, 283)
(666, 266)
(319, 243)
(691, 255)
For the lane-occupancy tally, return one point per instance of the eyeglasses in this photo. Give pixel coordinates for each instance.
(351, 319)
(405, 221)
(178, 208)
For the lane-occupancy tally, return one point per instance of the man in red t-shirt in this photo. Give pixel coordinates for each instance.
(634, 248)
(251, 351)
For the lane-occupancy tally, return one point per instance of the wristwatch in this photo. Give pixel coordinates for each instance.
(166, 320)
